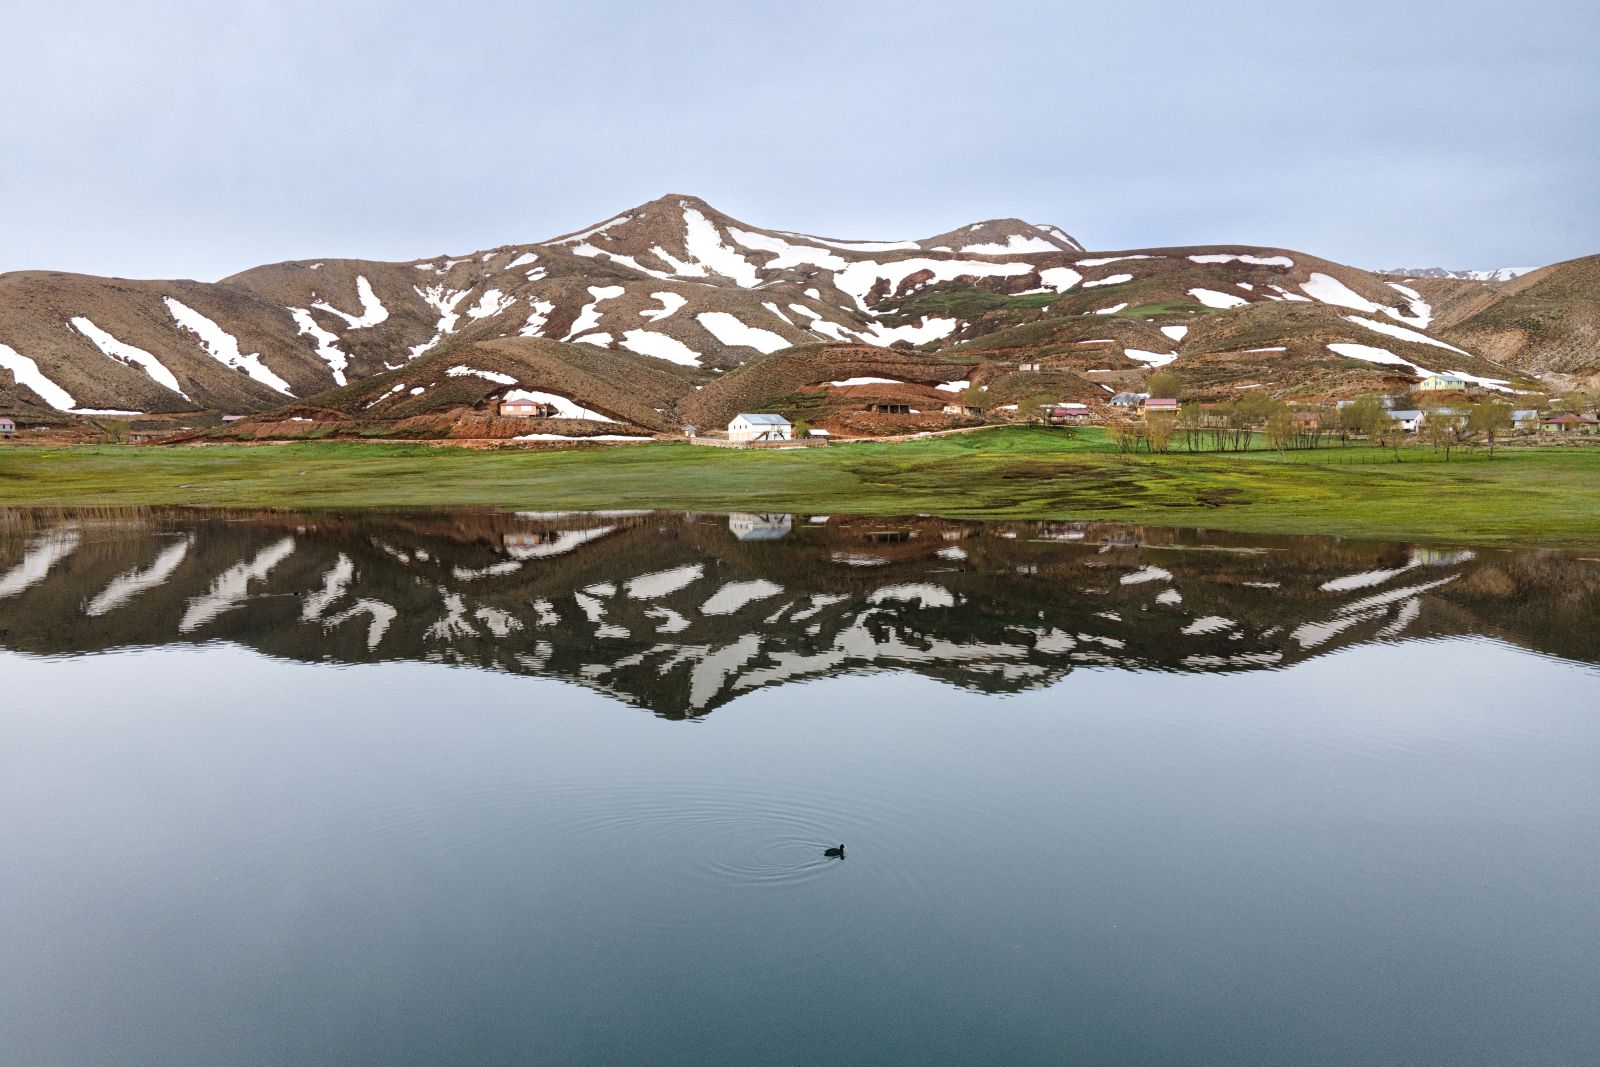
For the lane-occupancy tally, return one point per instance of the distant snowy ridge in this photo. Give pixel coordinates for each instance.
(1502, 274)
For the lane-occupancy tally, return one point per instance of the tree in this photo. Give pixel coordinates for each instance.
(1280, 428)
(1164, 383)
(1128, 435)
(1489, 418)
(1443, 431)
(1192, 421)
(1038, 407)
(1158, 430)
(974, 396)
(1364, 417)
(801, 428)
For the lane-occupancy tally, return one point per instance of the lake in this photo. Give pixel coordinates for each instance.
(473, 787)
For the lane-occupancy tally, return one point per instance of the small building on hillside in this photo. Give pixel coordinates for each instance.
(1409, 420)
(819, 435)
(1070, 413)
(7, 426)
(1569, 423)
(526, 409)
(968, 410)
(1442, 383)
(1525, 418)
(749, 428)
(1127, 400)
(1160, 405)
(885, 407)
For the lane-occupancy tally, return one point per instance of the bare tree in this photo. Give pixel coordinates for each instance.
(1128, 436)
(1159, 429)
(1280, 430)
(1490, 419)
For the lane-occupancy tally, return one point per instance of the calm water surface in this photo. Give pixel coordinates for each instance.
(439, 788)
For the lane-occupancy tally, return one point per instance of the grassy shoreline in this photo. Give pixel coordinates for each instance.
(1530, 496)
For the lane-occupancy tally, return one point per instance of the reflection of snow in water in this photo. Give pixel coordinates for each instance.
(45, 552)
(130, 584)
(231, 588)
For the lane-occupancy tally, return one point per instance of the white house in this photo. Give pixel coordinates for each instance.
(1410, 420)
(746, 428)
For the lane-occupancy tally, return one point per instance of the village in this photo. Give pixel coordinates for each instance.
(1440, 410)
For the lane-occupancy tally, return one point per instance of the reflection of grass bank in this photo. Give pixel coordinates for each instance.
(1549, 496)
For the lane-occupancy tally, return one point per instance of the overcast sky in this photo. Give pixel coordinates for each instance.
(195, 139)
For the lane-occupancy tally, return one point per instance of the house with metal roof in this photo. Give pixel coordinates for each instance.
(747, 428)
(1569, 423)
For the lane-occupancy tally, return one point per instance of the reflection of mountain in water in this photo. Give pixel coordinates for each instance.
(683, 613)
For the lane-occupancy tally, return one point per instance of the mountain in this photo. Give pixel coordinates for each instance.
(1502, 274)
(1547, 321)
(675, 282)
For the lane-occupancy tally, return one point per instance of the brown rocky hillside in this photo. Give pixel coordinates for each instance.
(676, 283)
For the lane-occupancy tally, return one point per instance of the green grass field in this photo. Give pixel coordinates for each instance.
(1548, 496)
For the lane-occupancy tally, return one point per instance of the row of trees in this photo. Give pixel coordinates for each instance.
(1233, 427)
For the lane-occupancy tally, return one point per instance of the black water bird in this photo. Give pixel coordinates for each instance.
(834, 852)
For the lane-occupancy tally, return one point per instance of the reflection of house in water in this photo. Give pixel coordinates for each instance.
(748, 527)
(539, 544)
(1423, 556)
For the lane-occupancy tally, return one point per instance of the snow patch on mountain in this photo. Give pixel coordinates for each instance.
(1016, 244)
(464, 371)
(659, 345)
(1368, 353)
(223, 347)
(123, 352)
(1259, 261)
(929, 329)
(589, 317)
(1059, 279)
(1154, 359)
(1112, 259)
(831, 330)
(1213, 299)
(702, 241)
(490, 303)
(671, 303)
(27, 374)
(540, 315)
(731, 330)
(1403, 334)
(787, 255)
(372, 309)
(327, 343)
